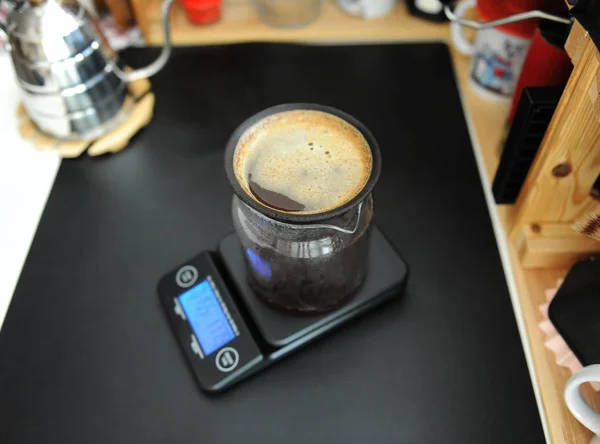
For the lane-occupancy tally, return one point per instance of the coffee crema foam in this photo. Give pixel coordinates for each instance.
(302, 161)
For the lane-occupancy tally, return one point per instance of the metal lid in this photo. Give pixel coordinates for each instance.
(49, 31)
(49, 18)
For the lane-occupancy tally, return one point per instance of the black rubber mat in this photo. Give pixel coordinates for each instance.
(87, 356)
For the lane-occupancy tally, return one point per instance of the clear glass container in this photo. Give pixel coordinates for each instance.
(288, 13)
(302, 262)
(307, 268)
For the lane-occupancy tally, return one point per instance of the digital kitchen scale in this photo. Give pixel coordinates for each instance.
(227, 333)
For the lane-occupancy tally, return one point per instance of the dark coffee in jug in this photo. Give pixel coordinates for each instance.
(315, 273)
(288, 166)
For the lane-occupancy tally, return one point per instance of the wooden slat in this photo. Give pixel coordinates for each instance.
(551, 245)
(576, 42)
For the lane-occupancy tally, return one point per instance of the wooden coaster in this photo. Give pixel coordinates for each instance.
(140, 99)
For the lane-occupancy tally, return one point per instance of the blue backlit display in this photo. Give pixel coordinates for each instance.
(206, 316)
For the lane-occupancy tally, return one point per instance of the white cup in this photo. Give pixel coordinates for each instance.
(497, 60)
(368, 9)
(429, 6)
(577, 405)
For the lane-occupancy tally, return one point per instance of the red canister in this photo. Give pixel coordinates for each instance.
(547, 63)
(202, 12)
(496, 9)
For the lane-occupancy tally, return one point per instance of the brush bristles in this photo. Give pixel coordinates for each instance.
(589, 224)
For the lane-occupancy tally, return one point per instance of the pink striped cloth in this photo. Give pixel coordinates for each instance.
(554, 341)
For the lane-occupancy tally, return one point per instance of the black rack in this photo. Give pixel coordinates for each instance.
(534, 112)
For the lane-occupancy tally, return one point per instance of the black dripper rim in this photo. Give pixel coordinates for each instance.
(293, 217)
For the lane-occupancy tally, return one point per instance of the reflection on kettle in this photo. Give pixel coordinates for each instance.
(72, 84)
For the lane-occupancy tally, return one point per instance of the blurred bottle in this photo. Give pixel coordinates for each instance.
(288, 13)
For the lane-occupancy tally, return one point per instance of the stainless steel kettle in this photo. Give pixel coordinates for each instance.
(72, 83)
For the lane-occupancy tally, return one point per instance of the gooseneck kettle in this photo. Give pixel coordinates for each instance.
(72, 83)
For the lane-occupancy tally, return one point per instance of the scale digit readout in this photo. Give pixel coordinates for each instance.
(206, 317)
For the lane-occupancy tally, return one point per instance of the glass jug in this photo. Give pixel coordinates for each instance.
(308, 263)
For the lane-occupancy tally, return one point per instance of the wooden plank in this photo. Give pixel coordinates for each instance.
(576, 42)
(551, 245)
(559, 182)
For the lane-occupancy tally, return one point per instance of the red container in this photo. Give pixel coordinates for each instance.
(489, 10)
(547, 62)
(202, 12)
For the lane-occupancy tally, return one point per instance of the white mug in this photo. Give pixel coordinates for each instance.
(497, 60)
(577, 405)
(368, 9)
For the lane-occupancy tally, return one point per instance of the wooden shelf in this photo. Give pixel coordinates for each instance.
(487, 123)
(240, 23)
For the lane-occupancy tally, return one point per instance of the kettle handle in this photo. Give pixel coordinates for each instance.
(160, 62)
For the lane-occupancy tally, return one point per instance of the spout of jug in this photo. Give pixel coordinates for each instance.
(161, 61)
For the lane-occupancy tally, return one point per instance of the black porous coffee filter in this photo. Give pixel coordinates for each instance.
(292, 217)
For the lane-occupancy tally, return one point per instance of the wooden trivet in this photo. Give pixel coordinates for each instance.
(112, 142)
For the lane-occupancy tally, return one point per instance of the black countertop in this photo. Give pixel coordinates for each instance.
(86, 354)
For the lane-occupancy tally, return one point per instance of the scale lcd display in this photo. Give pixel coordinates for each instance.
(206, 317)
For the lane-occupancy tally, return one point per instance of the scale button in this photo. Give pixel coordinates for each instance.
(227, 359)
(186, 276)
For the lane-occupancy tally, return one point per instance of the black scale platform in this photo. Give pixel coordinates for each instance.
(387, 277)
(86, 352)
